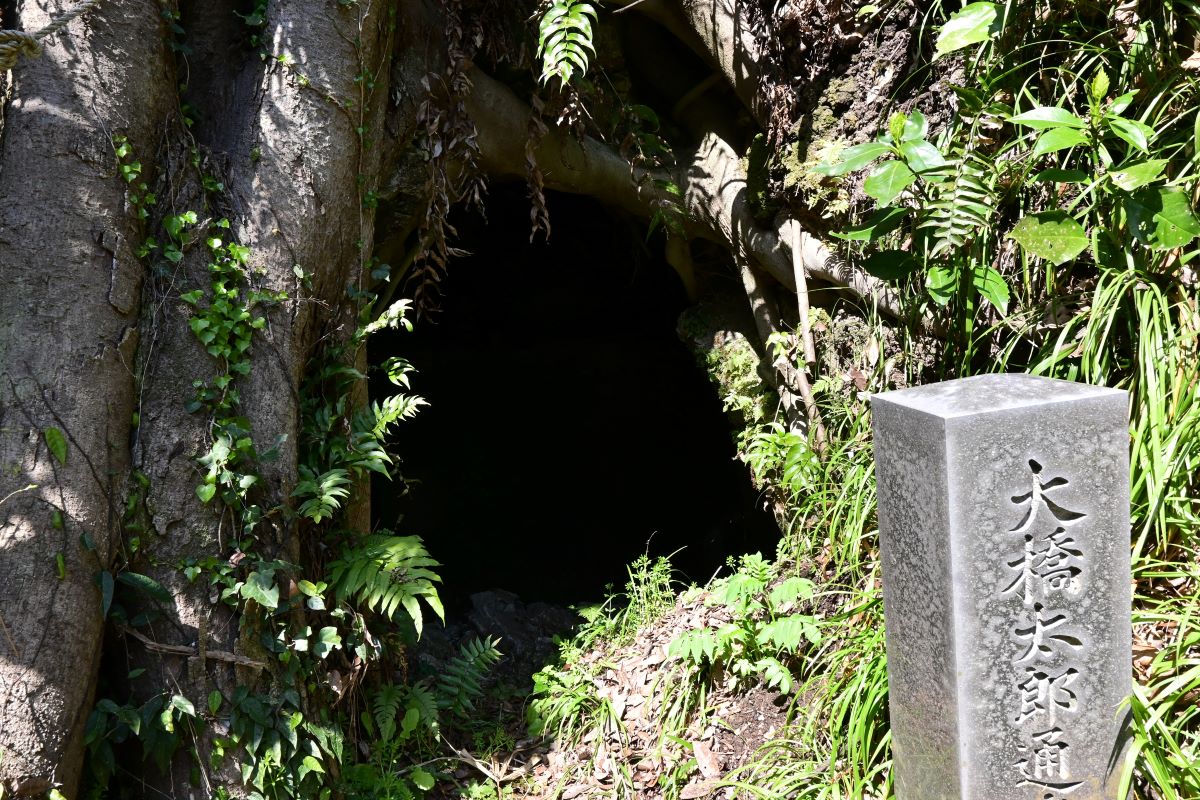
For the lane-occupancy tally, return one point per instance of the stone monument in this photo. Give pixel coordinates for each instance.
(1005, 544)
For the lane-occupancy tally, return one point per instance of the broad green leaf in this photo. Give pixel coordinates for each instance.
(214, 701)
(922, 156)
(1100, 85)
(884, 220)
(891, 265)
(941, 283)
(915, 127)
(1196, 134)
(854, 158)
(313, 765)
(992, 286)
(1058, 139)
(971, 25)
(1162, 219)
(1044, 117)
(887, 181)
(183, 704)
(1121, 103)
(57, 444)
(423, 780)
(1138, 175)
(261, 588)
(205, 492)
(1136, 133)
(1055, 175)
(145, 585)
(1052, 235)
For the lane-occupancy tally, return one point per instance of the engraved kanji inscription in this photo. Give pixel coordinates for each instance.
(1045, 763)
(1048, 562)
(1046, 692)
(1043, 642)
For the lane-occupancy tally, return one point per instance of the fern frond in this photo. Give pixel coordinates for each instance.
(965, 203)
(394, 409)
(565, 39)
(322, 494)
(385, 704)
(386, 573)
(460, 683)
(422, 700)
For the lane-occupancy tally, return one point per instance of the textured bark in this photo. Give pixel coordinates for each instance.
(295, 202)
(69, 289)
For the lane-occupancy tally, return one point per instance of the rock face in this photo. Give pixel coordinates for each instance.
(1004, 524)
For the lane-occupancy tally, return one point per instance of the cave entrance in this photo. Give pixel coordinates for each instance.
(569, 429)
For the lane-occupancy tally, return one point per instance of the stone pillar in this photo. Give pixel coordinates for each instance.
(1005, 542)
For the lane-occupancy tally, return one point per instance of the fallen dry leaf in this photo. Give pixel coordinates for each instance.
(706, 759)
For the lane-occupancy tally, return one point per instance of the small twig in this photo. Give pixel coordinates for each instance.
(191, 652)
(634, 4)
(8, 636)
(806, 343)
(16, 492)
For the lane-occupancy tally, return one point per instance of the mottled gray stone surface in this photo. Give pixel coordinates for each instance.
(1004, 525)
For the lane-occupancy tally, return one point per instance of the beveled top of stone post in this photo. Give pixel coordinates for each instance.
(983, 394)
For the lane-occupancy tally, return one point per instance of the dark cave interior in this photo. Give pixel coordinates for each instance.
(569, 429)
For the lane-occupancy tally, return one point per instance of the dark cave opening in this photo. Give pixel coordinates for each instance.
(569, 430)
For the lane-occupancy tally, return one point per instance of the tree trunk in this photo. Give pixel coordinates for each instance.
(294, 137)
(68, 342)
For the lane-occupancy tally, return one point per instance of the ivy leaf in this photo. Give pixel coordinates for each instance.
(992, 286)
(214, 702)
(57, 444)
(183, 704)
(1058, 139)
(973, 24)
(206, 491)
(1138, 175)
(853, 158)
(891, 265)
(1162, 219)
(260, 587)
(327, 641)
(884, 220)
(1052, 235)
(1044, 117)
(887, 181)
